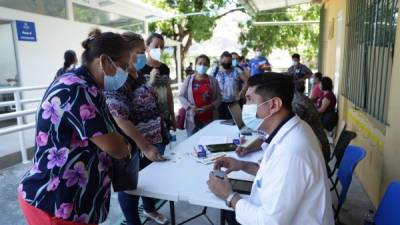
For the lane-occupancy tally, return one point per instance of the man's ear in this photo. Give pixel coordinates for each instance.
(106, 65)
(276, 104)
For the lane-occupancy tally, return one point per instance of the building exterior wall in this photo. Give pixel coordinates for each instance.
(381, 141)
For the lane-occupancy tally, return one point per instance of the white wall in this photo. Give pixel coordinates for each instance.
(39, 61)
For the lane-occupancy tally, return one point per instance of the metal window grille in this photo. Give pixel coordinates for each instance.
(370, 39)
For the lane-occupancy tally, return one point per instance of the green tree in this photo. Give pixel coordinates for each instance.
(192, 25)
(291, 38)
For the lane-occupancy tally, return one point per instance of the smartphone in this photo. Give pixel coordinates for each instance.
(241, 186)
(218, 173)
(221, 147)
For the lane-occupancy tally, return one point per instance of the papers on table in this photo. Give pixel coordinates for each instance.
(212, 140)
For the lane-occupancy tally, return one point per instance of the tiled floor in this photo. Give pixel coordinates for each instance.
(356, 206)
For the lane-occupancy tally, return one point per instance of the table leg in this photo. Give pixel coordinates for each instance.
(222, 217)
(172, 212)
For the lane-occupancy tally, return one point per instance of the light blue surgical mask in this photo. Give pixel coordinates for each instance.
(234, 62)
(249, 116)
(115, 81)
(201, 69)
(140, 61)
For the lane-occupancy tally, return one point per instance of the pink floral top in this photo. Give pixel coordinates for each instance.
(70, 176)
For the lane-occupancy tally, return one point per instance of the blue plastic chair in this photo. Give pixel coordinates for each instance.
(388, 212)
(352, 156)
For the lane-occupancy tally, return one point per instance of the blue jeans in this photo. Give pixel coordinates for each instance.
(129, 203)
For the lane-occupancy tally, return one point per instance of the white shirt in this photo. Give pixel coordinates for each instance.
(291, 185)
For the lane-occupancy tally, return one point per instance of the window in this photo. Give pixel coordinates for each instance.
(99, 17)
(370, 39)
(46, 7)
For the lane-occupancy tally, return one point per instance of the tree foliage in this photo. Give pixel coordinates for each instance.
(304, 38)
(187, 29)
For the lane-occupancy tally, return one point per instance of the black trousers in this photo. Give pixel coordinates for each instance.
(230, 217)
(223, 111)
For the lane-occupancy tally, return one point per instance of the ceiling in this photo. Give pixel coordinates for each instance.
(254, 6)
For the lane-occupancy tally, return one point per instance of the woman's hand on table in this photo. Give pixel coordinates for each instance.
(152, 153)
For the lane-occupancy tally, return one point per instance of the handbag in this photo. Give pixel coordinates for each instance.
(125, 173)
(180, 119)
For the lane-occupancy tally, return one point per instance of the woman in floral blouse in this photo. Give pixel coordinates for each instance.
(69, 182)
(135, 110)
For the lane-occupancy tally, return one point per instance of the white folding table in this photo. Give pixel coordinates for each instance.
(183, 178)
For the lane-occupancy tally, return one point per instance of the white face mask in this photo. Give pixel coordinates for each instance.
(258, 53)
(249, 116)
(295, 63)
(155, 53)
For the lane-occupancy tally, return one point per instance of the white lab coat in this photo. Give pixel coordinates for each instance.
(291, 185)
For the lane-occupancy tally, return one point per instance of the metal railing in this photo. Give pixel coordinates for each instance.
(19, 114)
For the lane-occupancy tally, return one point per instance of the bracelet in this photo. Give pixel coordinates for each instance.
(228, 200)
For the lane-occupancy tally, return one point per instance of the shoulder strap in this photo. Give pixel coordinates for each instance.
(216, 71)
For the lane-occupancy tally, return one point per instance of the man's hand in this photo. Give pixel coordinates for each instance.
(220, 187)
(229, 163)
(153, 154)
(242, 151)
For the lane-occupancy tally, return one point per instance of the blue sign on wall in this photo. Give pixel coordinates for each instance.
(26, 31)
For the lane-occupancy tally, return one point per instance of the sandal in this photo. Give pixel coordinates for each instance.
(160, 219)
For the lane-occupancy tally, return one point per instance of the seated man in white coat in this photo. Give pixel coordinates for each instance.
(290, 185)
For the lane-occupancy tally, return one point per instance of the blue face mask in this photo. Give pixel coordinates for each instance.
(200, 69)
(115, 81)
(249, 116)
(140, 61)
(234, 62)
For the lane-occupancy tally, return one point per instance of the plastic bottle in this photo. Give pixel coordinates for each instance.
(172, 139)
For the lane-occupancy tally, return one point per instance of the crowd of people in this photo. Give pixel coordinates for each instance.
(118, 106)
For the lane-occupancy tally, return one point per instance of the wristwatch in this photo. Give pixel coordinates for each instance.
(228, 200)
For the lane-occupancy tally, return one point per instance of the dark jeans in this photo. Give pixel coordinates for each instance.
(223, 111)
(129, 203)
(230, 217)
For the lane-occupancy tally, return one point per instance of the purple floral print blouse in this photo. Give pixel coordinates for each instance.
(70, 176)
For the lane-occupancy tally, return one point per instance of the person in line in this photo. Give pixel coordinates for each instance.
(304, 108)
(69, 182)
(259, 64)
(298, 71)
(228, 78)
(189, 70)
(326, 105)
(70, 61)
(134, 108)
(200, 96)
(157, 74)
(316, 92)
(290, 185)
(236, 62)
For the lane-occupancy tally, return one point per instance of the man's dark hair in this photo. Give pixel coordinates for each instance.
(326, 84)
(152, 36)
(270, 85)
(295, 56)
(318, 75)
(235, 53)
(226, 54)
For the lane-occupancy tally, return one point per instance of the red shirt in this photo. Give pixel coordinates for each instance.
(202, 94)
(316, 92)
